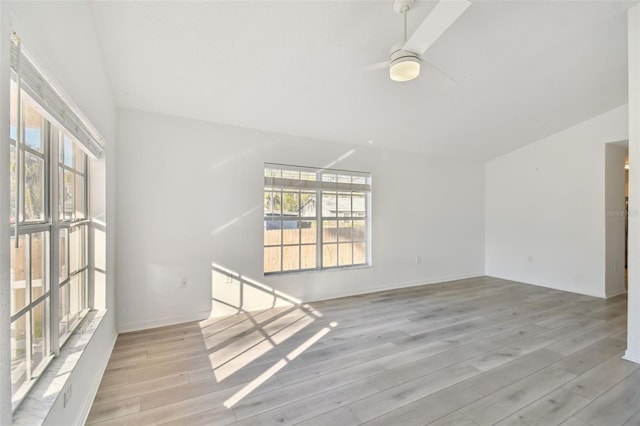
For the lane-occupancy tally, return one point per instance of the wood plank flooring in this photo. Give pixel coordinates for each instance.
(480, 351)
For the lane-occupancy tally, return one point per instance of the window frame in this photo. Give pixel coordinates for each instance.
(316, 182)
(50, 226)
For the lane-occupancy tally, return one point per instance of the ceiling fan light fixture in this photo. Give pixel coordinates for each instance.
(404, 65)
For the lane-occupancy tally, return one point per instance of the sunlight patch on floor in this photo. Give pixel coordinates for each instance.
(269, 318)
(229, 359)
(254, 384)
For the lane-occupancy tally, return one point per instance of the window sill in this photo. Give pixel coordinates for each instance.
(307, 271)
(37, 404)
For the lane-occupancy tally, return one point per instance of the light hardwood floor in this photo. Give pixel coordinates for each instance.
(480, 351)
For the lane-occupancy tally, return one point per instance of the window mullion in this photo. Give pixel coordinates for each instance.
(90, 239)
(54, 253)
(353, 229)
(20, 165)
(74, 207)
(19, 143)
(368, 230)
(319, 226)
(299, 229)
(45, 140)
(28, 346)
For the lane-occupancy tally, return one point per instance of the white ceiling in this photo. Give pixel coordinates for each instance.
(524, 69)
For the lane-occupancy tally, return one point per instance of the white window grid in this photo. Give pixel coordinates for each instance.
(56, 325)
(341, 199)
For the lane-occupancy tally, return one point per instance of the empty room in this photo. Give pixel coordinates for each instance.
(409, 212)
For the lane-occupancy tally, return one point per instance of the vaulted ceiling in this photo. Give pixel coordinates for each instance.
(522, 69)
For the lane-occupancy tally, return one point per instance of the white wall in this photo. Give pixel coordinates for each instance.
(545, 211)
(633, 328)
(615, 156)
(61, 37)
(190, 194)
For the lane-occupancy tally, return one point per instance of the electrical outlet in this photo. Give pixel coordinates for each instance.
(184, 282)
(67, 395)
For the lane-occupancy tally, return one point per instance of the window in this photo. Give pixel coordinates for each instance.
(49, 223)
(315, 218)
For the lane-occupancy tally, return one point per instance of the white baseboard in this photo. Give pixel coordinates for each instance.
(615, 293)
(549, 286)
(163, 322)
(632, 357)
(396, 286)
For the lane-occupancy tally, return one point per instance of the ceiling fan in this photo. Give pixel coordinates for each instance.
(406, 56)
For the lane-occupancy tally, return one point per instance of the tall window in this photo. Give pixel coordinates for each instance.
(315, 218)
(48, 219)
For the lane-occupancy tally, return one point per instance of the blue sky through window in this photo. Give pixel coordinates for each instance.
(32, 136)
(68, 151)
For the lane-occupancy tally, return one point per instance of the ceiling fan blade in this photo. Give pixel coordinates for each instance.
(443, 15)
(376, 67)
